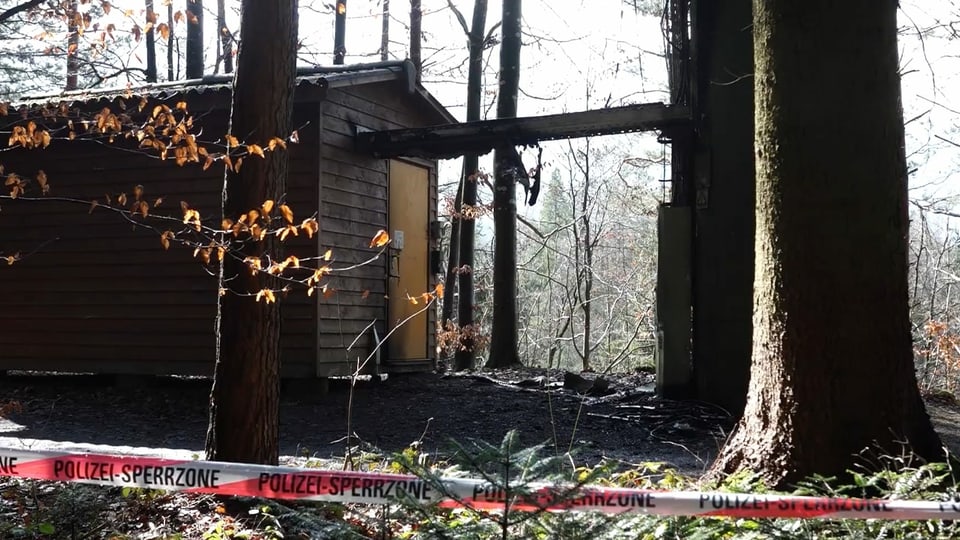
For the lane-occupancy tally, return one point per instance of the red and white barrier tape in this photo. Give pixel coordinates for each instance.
(376, 488)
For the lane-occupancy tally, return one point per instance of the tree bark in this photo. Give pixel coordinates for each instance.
(195, 39)
(476, 36)
(385, 32)
(585, 262)
(453, 259)
(74, 23)
(832, 369)
(226, 37)
(244, 400)
(151, 43)
(340, 33)
(416, 37)
(503, 339)
(171, 73)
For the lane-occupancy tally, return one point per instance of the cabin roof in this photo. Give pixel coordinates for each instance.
(317, 78)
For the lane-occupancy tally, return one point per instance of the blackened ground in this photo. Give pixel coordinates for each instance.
(627, 423)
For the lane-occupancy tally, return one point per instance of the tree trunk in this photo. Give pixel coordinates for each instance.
(226, 37)
(586, 294)
(471, 165)
(171, 73)
(244, 400)
(340, 33)
(151, 43)
(74, 23)
(503, 339)
(385, 32)
(416, 37)
(195, 39)
(453, 259)
(832, 369)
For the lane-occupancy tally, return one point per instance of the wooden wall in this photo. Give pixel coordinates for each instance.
(354, 194)
(100, 295)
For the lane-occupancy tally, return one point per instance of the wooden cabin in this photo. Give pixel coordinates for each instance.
(91, 293)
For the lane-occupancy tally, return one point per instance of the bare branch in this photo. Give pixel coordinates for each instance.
(29, 4)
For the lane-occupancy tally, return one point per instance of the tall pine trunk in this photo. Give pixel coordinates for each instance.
(832, 369)
(503, 339)
(244, 401)
(194, 39)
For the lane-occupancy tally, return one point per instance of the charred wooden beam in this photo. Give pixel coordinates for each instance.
(455, 140)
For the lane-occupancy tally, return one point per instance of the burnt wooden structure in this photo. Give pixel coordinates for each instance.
(97, 295)
(706, 227)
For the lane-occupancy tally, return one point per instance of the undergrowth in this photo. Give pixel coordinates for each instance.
(31, 509)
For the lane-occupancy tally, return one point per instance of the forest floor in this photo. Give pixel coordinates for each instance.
(621, 421)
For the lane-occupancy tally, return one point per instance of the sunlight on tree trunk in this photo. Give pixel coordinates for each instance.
(503, 339)
(340, 33)
(244, 401)
(832, 371)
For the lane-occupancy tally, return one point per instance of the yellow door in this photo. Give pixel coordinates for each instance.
(409, 253)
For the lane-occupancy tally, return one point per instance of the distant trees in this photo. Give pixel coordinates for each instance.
(832, 369)
(617, 258)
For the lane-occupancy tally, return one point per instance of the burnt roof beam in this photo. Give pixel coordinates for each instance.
(454, 140)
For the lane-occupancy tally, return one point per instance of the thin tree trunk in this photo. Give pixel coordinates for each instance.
(471, 165)
(244, 401)
(385, 32)
(151, 43)
(586, 297)
(416, 36)
(226, 38)
(171, 74)
(832, 370)
(74, 23)
(194, 39)
(453, 259)
(340, 33)
(503, 340)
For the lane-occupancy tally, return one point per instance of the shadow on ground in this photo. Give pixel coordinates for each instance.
(165, 412)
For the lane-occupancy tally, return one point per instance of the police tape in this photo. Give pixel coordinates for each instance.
(378, 488)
